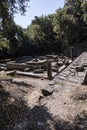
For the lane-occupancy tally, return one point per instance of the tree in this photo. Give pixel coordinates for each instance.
(46, 24)
(4, 47)
(15, 36)
(7, 10)
(9, 30)
(9, 7)
(84, 9)
(36, 36)
(69, 24)
(79, 13)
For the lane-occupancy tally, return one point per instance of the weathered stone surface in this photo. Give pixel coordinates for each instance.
(23, 59)
(79, 68)
(3, 65)
(27, 70)
(70, 74)
(34, 60)
(63, 106)
(3, 68)
(38, 71)
(66, 62)
(12, 73)
(37, 65)
(16, 66)
(61, 77)
(55, 69)
(85, 65)
(60, 63)
(49, 70)
(42, 58)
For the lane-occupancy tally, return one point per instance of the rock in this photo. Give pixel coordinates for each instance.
(38, 71)
(54, 64)
(46, 92)
(51, 83)
(42, 58)
(55, 69)
(16, 66)
(66, 62)
(27, 70)
(12, 73)
(60, 63)
(3, 68)
(85, 65)
(35, 60)
(40, 98)
(80, 68)
(3, 65)
(70, 61)
(42, 78)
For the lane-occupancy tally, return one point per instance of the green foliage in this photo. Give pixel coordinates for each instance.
(35, 33)
(67, 27)
(9, 7)
(84, 9)
(12, 38)
(4, 43)
(4, 46)
(53, 33)
(69, 22)
(41, 34)
(9, 30)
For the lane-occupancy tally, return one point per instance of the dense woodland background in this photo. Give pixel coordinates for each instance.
(57, 32)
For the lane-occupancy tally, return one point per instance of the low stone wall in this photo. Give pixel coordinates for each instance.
(16, 66)
(36, 65)
(21, 66)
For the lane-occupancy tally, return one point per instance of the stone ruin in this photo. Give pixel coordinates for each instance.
(38, 66)
(74, 74)
(69, 79)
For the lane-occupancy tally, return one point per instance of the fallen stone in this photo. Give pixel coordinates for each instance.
(30, 74)
(12, 73)
(60, 63)
(66, 62)
(42, 58)
(62, 67)
(3, 68)
(27, 69)
(46, 92)
(51, 83)
(55, 69)
(35, 60)
(3, 65)
(38, 71)
(85, 65)
(80, 68)
(70, 61)
(16, 66)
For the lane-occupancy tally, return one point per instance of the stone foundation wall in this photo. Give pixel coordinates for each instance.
(16, 66)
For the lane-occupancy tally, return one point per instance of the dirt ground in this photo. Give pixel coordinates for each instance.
(21, 107)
